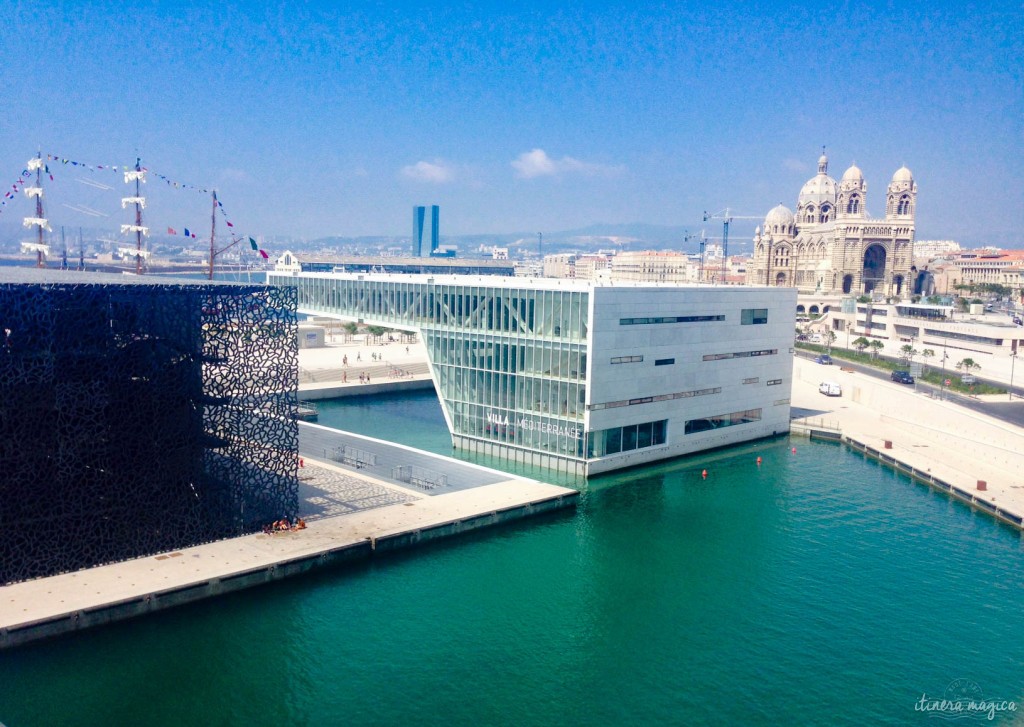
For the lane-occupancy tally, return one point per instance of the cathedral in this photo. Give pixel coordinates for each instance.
(831, 246)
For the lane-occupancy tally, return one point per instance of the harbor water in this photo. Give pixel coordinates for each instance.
(816, 588)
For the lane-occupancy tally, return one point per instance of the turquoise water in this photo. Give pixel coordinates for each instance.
(818, 588)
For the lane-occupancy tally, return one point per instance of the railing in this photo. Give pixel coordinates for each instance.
(354, 457)
(421, 477)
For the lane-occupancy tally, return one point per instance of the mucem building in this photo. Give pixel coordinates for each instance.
(140, 416)
(579, 376)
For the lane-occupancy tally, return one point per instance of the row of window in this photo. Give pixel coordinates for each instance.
(748, 316)
(964, 337)
(659, 397)
(706, 424)
(708, 357)
(669, 319)
(626, 439)
(740, 354)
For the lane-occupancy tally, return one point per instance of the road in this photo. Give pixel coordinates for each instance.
(1011, 412)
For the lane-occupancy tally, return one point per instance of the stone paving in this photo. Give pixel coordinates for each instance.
(325, 492)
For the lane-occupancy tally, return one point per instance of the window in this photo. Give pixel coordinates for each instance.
(625, 439)
(720, 421)
(752, 380)
(739, 354)
(664, 361)
(774, 382)
(627, 359)
(753, 316)
(659, 397)
(669, 319)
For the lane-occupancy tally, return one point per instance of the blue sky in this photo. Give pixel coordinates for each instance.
(316, 120)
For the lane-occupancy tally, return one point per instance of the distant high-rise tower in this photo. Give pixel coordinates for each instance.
(435, 228)
(419, 214)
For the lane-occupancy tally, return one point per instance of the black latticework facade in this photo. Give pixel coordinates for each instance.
(139, 416)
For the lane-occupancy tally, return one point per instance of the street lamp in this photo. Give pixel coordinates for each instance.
(1013, 360)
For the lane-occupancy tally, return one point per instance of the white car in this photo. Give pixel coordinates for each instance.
(830, 388)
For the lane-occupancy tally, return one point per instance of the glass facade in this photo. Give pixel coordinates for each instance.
(510, 363)
(628, 438)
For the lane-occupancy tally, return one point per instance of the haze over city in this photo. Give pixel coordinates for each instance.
(322, 121)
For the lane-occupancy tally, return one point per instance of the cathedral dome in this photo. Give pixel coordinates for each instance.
(903, 175)
(779, 219)
(818, 189)
(853, 174)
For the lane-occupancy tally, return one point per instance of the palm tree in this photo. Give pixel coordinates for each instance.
(908, 352)
(876, 347)
(967, 365)
(861, 343)
(926, 355)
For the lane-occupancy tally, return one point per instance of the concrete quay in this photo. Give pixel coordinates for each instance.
(934, 441)
(349, 515)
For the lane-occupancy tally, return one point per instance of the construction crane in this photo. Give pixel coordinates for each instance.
(726, 216)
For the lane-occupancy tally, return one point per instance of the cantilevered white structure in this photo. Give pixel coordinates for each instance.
(585, 377)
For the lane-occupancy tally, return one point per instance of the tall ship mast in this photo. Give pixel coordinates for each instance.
(40, 248)
(137, 175)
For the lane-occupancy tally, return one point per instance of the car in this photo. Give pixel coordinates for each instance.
(902, 377)
(824, 359)
(830, 388)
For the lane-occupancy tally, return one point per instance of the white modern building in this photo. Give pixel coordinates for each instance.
(581, 376)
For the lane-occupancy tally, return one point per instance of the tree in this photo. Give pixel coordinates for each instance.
(861, 343)
(876, 348)
(864, 299)
(967, 365)
(351, 327)
(830, 338)
(908, 352)
(927, 355)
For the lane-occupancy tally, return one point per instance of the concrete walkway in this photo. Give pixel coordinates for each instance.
(929, 435)
(350, 514)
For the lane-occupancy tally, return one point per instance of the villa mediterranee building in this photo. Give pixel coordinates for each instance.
(581, 376)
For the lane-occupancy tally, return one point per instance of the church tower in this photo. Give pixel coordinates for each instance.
(852, 194)
(901, 198)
